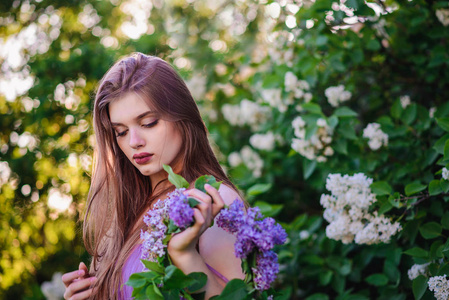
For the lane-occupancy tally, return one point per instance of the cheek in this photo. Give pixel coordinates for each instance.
(121, 147)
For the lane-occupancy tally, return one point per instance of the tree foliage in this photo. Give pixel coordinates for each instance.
(388, 59)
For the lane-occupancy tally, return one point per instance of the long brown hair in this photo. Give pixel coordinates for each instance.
(119, 193)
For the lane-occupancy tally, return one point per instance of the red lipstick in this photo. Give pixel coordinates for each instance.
(142, 158)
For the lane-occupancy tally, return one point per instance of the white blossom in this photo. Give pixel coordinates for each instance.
(405, 101)
(263, 141)
(417, 270)
(252, 160)
(234, 159)
(299, 88)
(54, 289)
(432, 111)
(197, 86)
(347, 211)
(443, 16)
(246, 113)
(5, 172)
(440, 286)
(274, 98)
(376, 136)
(445, 174)
(336, 95)
(304, 234)
(317, 146)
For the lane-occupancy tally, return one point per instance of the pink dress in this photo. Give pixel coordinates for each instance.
(133, 265)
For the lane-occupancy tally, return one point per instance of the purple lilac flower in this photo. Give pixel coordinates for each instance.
(270, 234)
(152, 238)
(266, 269)
(179, 209)
(232, 218)
(252, 230)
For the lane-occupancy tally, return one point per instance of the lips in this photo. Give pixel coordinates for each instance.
(142, 158)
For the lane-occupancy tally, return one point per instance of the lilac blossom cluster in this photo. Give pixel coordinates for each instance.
(152, 238)
(175, 207)
(179, 209)
(255, 234)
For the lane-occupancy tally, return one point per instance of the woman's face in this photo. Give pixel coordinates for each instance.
(146, 140)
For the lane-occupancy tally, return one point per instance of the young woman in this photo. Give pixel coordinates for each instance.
(144, 117)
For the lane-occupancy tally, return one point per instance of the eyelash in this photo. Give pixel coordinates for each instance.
(119, 134)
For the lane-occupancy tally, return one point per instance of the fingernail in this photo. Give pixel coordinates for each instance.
(92, 279)
(207, 185)
(81, 272)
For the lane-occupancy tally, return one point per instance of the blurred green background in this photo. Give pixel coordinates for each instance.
(53, 53)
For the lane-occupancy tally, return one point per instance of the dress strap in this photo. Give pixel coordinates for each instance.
(219, 275)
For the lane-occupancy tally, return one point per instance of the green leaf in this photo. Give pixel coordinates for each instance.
(136, 280)
(318, 296)
(175, 179)
(444, 185)
(384, 208)
(443, 123)
(269, 210)
(332, 122)
(417, 252)
(206, 179)
(308, 167)
(200, 280)
(325, 277)
(419, 286)
(430, 230)
(344, 111)
(313, 108)
(439, 145)
(377, 279)
(153, 266)
(381, 188)
(153, 292)
(259, 188)
(409, 114)
(413, 188)
(445, 220)
(435, 188)
(192, 202)
(341, 146)
(234, 290)
(446, 150)
(396, 109)
(347, 130)
(175, 278)
(373, 45)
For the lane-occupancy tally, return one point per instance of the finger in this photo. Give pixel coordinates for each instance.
(218, 202)
(83, 295)
(200, 220)
(68, 278)
(79, 286)
(83, 267)
(195, 193)
(204, 204)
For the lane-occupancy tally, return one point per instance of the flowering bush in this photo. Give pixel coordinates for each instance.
(293, 92)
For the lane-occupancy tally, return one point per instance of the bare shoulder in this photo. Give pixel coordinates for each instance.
(228, 194)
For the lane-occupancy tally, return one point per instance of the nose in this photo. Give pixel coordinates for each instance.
(135, 139)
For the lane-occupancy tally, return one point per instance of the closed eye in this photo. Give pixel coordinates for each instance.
(117, 134)
(149, 125)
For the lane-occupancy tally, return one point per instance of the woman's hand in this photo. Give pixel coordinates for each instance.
(78, 283)
(206, 210)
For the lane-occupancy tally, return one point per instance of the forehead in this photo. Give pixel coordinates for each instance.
(127, 108)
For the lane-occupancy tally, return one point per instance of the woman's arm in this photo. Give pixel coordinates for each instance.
(215, 245)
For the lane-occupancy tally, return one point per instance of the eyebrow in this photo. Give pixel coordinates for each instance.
(141, 116)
